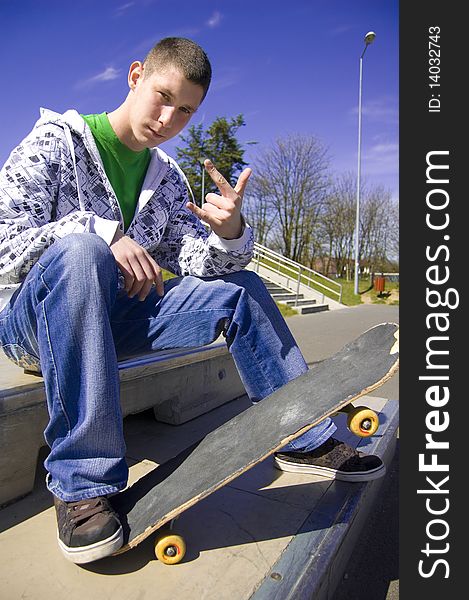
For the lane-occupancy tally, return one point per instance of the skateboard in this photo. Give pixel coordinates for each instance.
(329, 387)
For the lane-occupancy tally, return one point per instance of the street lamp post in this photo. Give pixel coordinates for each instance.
(369, 38)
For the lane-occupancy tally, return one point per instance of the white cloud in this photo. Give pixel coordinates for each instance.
(221, 83)
(381, 109)
(215, 19)
(340, 29)
(385, 149)
(120, 10)
(382, 158)
(108, 74)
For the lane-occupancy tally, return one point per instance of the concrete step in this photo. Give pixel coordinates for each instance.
(313, 308)
(285, 296)
(300, 302)
(271, 285)
(306, 306)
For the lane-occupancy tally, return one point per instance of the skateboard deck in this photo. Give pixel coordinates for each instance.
(264, 428)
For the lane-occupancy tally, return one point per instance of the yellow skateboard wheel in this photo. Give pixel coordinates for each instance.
(362, 421)
(170, 549)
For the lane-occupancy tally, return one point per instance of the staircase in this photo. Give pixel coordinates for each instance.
(293, 284)
(297, 301)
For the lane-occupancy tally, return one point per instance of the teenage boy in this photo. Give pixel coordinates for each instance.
(91, 210)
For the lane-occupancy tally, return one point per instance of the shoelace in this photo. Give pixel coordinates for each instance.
(84, 509)
(338, 449)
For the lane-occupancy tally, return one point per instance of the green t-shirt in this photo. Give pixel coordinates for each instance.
(125, 168)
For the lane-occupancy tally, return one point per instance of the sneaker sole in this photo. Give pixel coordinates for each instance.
(101, 549)
(289, 467)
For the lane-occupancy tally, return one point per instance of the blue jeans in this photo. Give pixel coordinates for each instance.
(71, 318)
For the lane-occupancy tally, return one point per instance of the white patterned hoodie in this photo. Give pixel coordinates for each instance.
(54, 184)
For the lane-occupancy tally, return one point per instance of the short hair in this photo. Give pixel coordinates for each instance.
(185, 55)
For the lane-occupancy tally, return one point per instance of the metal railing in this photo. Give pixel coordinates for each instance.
(301, 275)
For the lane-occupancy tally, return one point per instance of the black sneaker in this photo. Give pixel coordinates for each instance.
(334, 460)
(88, 529)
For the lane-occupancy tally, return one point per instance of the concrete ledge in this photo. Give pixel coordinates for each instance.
(313, 563)
(178, 385)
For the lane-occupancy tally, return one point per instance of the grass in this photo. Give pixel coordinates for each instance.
(287, 311)
(167, 274)
(349, 298)
(367, 293)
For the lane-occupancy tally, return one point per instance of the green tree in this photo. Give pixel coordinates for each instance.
(218, 143)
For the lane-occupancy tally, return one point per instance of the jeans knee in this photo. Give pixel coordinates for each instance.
(82, 259)
(83, 244)
(84, 251)
(247, 279)
(251, 290)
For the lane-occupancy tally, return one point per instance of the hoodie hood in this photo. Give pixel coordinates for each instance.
(72, 122)
(71, 119)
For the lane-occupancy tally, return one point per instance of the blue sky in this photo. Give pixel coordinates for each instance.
(288, 67)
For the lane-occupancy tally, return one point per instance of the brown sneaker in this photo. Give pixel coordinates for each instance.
(88, 529)
(334, 460)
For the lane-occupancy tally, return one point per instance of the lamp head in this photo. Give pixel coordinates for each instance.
(369, 37)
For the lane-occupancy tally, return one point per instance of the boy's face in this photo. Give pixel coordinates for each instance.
(161, 104)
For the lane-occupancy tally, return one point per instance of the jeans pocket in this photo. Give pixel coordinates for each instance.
(20, 357)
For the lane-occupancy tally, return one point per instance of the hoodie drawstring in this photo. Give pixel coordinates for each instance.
(68, 136)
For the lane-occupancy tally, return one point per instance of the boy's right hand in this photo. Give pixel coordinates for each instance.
(139, 269)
